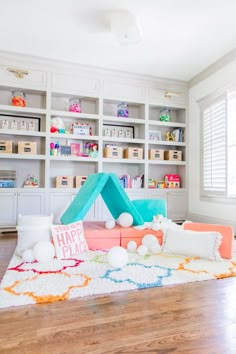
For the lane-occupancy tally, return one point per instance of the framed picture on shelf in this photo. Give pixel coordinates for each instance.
(155, 135)
(19, 123)
(118, 131)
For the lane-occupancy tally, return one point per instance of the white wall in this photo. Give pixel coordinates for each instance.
(199, 210)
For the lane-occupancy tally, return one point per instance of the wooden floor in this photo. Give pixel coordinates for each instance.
(192, 318)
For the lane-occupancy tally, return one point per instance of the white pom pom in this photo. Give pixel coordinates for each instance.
(28, 256)
(148, 240)
(156, 248)
(142, 250)
(125, 220)
(156, 226)
(117, 257)
(44, 251)
(109, 224)
(131, 246)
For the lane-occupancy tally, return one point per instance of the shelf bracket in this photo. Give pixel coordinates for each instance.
(18, 72)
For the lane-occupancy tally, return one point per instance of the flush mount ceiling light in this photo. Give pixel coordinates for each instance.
(124, 26)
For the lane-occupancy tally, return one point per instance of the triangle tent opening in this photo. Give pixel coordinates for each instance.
(113, 194)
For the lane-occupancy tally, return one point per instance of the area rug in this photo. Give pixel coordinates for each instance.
(89, 274)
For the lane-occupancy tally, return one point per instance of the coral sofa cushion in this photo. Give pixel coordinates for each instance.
(192, 243)
(226, 246)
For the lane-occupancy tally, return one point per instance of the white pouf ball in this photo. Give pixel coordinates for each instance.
(28, 256)
(117, 257)
(156, 226)
(125, 220)
(148, 240)
(109, 224)
(44, 251)
(142, 250)
(156, 248)
(132, 246)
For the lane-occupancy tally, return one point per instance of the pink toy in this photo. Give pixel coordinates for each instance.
(172, 181)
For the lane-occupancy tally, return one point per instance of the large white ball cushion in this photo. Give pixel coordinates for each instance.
(32, 229)
(132, 246)
(117, 257)
(149, 240)
(192, 243)
(125, 220)
(110, 224)
(142, 250)
(28, 256)
(44, 251)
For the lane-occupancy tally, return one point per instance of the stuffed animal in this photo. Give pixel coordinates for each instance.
(57, 125)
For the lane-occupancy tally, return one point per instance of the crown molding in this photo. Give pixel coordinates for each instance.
(55, 65)
(213, 68)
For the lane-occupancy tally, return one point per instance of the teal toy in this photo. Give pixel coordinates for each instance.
(113, 194)
(149, 208)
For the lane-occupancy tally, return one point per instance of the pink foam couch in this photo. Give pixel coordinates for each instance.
(97, 236)
(226, 248)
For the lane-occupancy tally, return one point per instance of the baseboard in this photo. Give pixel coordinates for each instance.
(208, 219)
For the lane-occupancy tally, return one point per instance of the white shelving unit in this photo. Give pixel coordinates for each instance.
(47, 96)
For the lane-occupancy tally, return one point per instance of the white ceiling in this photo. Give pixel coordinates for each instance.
(180, 38)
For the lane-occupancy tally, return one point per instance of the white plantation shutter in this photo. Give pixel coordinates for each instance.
(214, 147)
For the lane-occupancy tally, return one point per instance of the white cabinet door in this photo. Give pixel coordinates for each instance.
(30, 203)
(58, 203)
(176, 205)
(8, 207)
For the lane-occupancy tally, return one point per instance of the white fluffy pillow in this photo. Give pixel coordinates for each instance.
(192, 243)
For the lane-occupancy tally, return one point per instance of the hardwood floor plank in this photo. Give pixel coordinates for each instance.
(192, 318)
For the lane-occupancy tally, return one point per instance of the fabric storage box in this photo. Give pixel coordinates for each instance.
(6, 146)
(155, 154)
(131, 234)
(27, 147)
(113, 152)
(133, 153)
(79, 181)
(64, 182)
(98, 237)
(173, 155)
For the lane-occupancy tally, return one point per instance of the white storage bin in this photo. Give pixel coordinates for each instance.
(32, 229)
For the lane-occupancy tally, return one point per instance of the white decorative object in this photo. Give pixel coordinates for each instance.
(110, 224)
(149, 240)
(125, 220)
(69, 240)
(192, 243)
(142, 250)
(44, 251)
(132, 246)
(28, 255)
(32, 229)
(155, 248)
(117, 257)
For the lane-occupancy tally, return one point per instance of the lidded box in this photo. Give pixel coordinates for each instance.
(74, 105)
(122, 110)
(18, 99)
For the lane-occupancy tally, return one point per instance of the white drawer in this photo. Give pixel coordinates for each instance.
(166, 97)
(34, 77)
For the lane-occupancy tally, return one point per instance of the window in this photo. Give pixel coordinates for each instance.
(218, 122)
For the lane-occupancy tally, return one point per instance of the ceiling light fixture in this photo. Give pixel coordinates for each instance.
(124, 26)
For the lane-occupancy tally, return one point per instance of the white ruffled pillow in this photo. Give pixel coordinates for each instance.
(192, 243)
